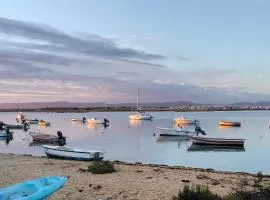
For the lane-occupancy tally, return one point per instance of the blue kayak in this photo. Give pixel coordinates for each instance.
(35, 189)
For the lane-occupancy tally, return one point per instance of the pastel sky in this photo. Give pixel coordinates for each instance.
(103, 50)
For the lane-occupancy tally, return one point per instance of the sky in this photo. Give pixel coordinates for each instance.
(102, 51)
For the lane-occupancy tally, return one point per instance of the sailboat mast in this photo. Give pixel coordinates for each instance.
(138, 100)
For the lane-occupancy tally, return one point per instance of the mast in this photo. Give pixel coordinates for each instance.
(138, 100)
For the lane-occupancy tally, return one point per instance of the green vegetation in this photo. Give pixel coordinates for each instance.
(241, 193)
(101, 167)
(196, 193)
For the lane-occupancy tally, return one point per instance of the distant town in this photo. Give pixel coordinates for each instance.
(103, 107)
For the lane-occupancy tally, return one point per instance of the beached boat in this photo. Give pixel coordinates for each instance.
(216, 141)
(140, 115)
(183, 120)
(216, 148)
(179, 133)
(97, 121)
(227, 123)
(72, 153)
(44, 123)
(40, 188)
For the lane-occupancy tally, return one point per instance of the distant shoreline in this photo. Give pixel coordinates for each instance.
(121, 109)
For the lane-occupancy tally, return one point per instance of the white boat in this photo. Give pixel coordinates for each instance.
(183, 120)
(140, 115)
(216, 141)
(72, 153)
(97, 121)
(20, 117)
(171, 132)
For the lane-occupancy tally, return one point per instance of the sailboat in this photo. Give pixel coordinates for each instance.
(20, 117)
(140, 115)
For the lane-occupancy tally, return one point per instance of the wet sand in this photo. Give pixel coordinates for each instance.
(131, 181)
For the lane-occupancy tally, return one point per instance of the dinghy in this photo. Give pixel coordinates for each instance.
(215, 148)
(97, 121)
(179, 133)
(40, 188)
(216, 141)
(183, 120)
(72, 153)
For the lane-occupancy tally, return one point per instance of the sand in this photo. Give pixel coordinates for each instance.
(131, 181)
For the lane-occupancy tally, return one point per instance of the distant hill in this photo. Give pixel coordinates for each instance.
(66, 104)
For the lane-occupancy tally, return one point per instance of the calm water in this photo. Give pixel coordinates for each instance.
(134, 141)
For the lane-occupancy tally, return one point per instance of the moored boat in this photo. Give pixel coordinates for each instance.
(15, 126)
(229, 123)
(40, 188)
(44, 123)
(215, 148)
(32, 121)
(179, 133)
(216, 141)
(97, 121)
(183, 120)
(72, 153)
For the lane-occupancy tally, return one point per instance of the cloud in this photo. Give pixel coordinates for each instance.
(182, 58)
(91, 45)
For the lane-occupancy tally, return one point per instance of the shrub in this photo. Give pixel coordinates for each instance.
(101, 167)
(196, 193)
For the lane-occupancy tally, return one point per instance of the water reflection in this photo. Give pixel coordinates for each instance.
(215, 148)
(6, 139)
(180, 141)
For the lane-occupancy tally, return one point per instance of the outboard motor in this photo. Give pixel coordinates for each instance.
(61, 139)
(198, 129)
(9, 133)
(106, 121)
(83, 119)
(26, 126)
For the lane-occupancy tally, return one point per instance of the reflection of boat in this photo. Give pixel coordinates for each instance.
(44, 123)
(179, 133)
(227, 123)
(97, 126)
(140, 115)
(97, 121)
(183, 120)
(72, 153)
(40, 188)
(224, 148)
(216, 141)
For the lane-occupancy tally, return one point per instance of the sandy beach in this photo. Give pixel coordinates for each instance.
(131, 181)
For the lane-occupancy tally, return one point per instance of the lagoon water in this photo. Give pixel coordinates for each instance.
(133, 141)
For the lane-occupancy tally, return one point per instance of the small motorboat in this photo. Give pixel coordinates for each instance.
(72, 153)
(183, 120)
(46, 138)
(216, 141)
(97, 121)
(140, 116)
(179, 133)
(16, 126)
(227, 123)
(40, 188)
(32, 121)
(44, 123)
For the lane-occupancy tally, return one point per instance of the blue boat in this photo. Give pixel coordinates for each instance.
(35, 189)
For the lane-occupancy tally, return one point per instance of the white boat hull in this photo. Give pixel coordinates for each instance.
(167, 132)
(71, 153)
(185, 121)
(140, 117)
(95, 121)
